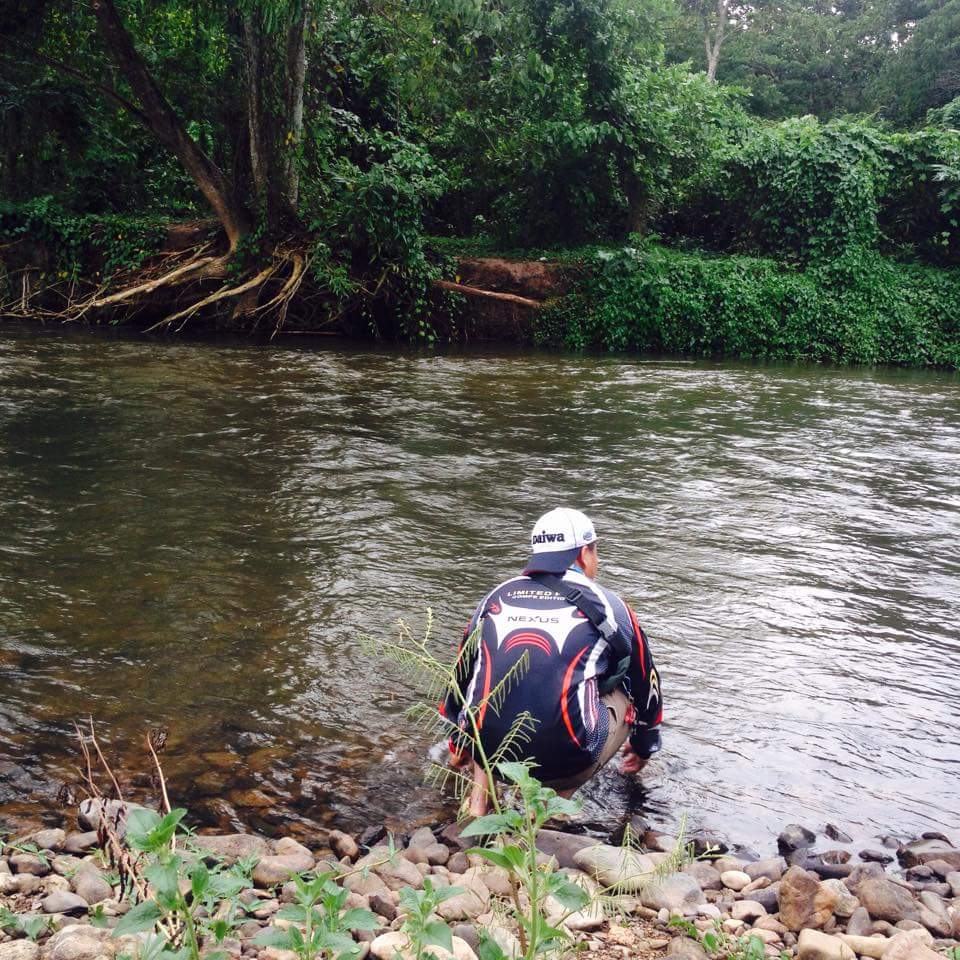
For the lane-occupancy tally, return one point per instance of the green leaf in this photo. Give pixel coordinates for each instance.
(272, 937)
(359, 919)
(490, 825)
(166, 881)
(138, 919)
(496, 857)
(571, 896)
(489, 949)
(199, 880)
(438, 935)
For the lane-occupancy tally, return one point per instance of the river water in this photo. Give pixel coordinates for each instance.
(198, 536)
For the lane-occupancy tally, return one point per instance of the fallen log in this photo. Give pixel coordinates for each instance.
(489, 294)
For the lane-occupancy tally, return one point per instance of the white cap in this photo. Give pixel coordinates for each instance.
(557, 537)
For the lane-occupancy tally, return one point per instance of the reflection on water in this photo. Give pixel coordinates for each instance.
(196, 536)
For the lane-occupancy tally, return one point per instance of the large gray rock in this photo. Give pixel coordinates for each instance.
(93, 809)
(921, 851)
(395, 871)
(616, 867)
(886, 900)
(51, 839)
(686, 948)
(708, 877)
(815, 945)
(77, 842)
(19, 950)
(794, 837)
(88, 882)
(63, 901)
(803, 901)
(81, 942)
(910, 945)
(563, 846)
(860, 924)
(279, 869)
(772, 868)
(769, 897)
(676, 891)
(232, 847)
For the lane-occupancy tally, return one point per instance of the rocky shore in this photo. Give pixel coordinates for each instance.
(816, 899)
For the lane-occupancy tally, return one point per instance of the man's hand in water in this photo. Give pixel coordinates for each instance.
(632, 761)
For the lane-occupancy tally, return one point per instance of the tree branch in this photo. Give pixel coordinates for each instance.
(108, 92)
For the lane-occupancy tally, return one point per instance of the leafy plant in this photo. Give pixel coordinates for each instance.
(185, 895)
(517, 828)
(420, 922)
(30, 926)
(317, 924)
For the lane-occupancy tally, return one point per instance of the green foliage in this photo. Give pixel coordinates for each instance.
(31, 926)
(718, 943)
(319, 923)
(192, 905)
(859, 308)
(420, 923)
(70, 246)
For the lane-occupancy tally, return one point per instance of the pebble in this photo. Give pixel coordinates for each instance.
(815, 945)
(676, 890)
(886, 900)
(876, 856)
(89, 883)
(803, 902)
(772, 868)
(19, 950)
(271, 870)
(343, 845)
(686, 948)
(747, 910)
(63, 901)
(734, 879)
(28, 863)
(795, 837)
(835, 833)
(51, 839)
(617, 867)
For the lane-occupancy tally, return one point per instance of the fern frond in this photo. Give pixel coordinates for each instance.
(495, 698)
(520, 732)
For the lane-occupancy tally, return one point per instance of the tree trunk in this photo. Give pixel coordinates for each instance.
(168, 127)
(713, 46)
(256, 132)
(295, 79)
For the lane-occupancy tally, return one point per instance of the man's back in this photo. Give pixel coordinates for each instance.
(549, 665)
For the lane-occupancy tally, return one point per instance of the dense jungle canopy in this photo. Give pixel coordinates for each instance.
(747, 158)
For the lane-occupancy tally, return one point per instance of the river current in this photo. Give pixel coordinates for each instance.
(198, 536)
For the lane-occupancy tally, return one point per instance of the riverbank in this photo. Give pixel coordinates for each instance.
(813, 898)
(859, 306)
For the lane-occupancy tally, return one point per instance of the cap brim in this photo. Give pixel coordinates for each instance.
(553, 562)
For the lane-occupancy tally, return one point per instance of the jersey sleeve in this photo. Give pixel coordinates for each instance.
(645, 691)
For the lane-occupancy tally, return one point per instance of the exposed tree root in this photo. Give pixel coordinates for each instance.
(488, 294)
(222, 294)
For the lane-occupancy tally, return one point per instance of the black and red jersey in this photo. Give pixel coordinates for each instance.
(569, 666)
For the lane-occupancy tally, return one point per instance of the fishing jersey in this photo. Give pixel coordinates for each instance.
(569, 665)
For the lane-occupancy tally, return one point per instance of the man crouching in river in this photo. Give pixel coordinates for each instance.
(589, 683)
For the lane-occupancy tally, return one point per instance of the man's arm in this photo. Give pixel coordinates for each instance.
(645, 691)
